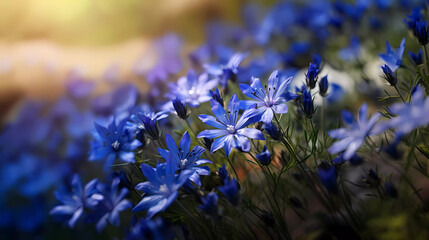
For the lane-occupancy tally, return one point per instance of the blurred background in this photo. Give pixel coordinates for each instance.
(44, 41)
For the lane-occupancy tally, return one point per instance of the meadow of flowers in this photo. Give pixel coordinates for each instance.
(309, 120)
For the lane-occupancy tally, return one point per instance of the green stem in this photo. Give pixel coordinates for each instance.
(397, 90)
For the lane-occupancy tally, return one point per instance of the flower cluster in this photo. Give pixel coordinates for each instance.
(258, 138)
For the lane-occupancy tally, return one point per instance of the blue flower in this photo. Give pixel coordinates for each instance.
(231, 130)
(392, 57)
(74, 202)
(311, 75)
(352, 137)
(352, 51)
(146, 119)
(270, 100)
(162, 186)
(113, 142)
(413, 18)
(154, 229)
(193, 89)
(328, 176)
(409, 116)
(389, 75)
(112, 204)
(264, 157)
(273, 131)
(417, 59)
(216, 96)
(323, 86)
(185, 159)
(228, 71)
(181, 109)
(230, 190)
(307, 104)
(209, 204)
(420, 31)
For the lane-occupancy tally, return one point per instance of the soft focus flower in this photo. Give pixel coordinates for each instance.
(264, 157)
(74, 202)
(323, 86)
(154, 229)
(390, 189)
(230, 190)
(416, 59)
(328, 176)
(352, 137)
(231, 130)
(311, 75)
(270, 100)
(389, 75)
(408, 116)
(181, 109)
(421, 32)
(273, 131)
(113, 142)
(193, 89)
(307, 104)
(392, 57)
(351, 52)
(161, 187)
(225, 72)
(112, 204)
(209, 204)
(185, 159)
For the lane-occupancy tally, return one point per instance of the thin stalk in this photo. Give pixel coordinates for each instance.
(400, 95)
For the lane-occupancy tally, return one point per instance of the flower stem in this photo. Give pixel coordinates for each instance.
(397, 90)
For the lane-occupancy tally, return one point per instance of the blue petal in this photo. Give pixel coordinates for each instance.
(212, 133)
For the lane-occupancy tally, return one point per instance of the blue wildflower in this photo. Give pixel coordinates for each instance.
(264, 157)
(414, 17)
(307, 104)
(181, 109)
(311, 75)
(193, 89)
(270, 100)
(113, 142)
(230, 190)
(146, 120)
(389, 75)
(273, 131)
(216, 96)
(392, 57)
(352, 51)
(371, 178)
(231, 130)
(154, 229)
(223, 173)
(112, 204)
(416, 59)
(228, 71)
(409, 116)
(74, 202)
(328, 176)
(185, 159)
(354, 135)
(323, 86)
(162, 186)
(421, 32)
(209, 204)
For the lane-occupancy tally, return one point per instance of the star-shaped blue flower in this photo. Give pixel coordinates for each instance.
(74, 202)
(113, 142)
(162, 186)
(231, 129)
(393, 57)
(193, 89)
(113, 203)
(352, 137)
(409, 116)
(270, 100)
(185, 159)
